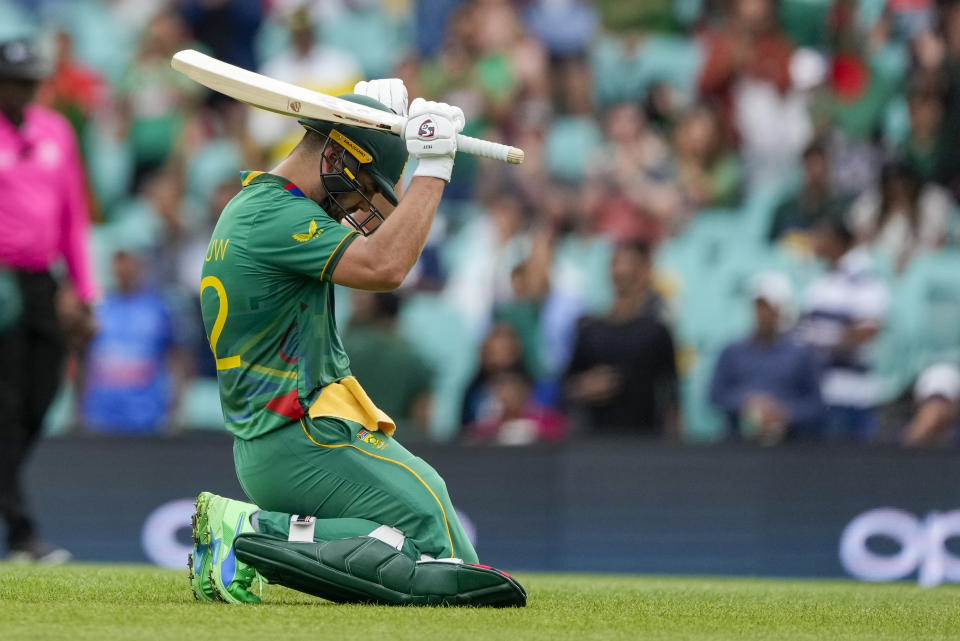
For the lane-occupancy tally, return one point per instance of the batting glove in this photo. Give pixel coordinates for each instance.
(431, 135)
(389, 91)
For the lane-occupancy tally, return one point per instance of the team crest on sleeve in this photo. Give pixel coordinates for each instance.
(370, 439)
(427, 129)
(312, 232)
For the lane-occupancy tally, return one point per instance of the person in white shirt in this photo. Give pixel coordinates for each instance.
(842, 313)
(305, 63)
(902, 215)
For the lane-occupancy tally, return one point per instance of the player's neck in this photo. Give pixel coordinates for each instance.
(306, 179)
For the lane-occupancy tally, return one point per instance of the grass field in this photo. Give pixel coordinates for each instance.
(103, 603)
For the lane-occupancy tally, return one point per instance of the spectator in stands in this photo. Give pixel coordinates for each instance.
(706, 172)
(937, 65)
(306, 63)
(480, 277)
(633, 168)
(73, 89)
(767, 384)
(227, 27)
(500, 352)
(936, 416)
(843, 312)
(153, 100)
(377, 350)
(133, 370)
(922, 149)
(44, 218)
(622, 376)
(902, 215)
(859, 89)
(814, 200)
(566, 27)
(750, 47)
(514, 417)
(530, 282)
(851, 108)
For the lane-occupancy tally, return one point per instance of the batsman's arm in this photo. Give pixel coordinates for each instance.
(381, 261)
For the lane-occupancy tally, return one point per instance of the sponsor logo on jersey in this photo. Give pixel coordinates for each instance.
(312, 232)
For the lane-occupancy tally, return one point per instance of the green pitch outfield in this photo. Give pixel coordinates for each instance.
(108, 602)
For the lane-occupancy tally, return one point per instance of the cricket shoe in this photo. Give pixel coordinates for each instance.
(198, 561)
(222, 520)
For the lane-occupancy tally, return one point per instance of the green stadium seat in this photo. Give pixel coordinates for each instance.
(438, 332)
(923, 324)
(621, 75)
(570, 143)
(216, 162)
(14, 23)
(60, 415)
(702, 423)
(200, 406)
(110, 166)
(384, 39)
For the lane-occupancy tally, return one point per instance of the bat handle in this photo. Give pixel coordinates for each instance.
(488, 149)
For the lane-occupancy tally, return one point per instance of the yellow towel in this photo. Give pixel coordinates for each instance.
(348, 400)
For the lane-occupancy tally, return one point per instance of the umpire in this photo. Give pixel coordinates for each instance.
(44, 220)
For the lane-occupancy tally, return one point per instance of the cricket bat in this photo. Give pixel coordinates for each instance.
(290, 100)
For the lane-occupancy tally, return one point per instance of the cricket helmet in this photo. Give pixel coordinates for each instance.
(382, 154)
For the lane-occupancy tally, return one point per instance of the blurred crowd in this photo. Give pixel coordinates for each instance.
(736, 219)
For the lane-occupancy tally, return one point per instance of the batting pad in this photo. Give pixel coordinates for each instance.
(366, 570)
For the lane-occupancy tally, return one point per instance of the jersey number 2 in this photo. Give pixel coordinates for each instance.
(228, 362)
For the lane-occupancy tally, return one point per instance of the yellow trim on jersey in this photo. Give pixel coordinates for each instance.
(334, 252)
(251, 176)
(229, 362)
(279, 373)
(443, 512)
(352, 148)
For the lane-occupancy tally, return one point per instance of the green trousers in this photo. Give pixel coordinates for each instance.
(353, 481)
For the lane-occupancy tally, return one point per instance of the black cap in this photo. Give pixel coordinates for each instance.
(20, 60)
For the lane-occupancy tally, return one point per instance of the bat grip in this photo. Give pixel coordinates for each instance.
(487, 149)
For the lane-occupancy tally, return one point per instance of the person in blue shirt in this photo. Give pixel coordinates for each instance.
(767, 384)
(128, 388)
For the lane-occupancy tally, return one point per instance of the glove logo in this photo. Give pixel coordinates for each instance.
(427, 129)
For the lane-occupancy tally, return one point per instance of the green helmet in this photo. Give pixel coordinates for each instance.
(382, 154)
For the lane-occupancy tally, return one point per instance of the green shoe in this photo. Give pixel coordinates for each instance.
(198, 561)
(225, 518)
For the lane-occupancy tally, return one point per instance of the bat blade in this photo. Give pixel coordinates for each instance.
(288, 99)
(278, 96)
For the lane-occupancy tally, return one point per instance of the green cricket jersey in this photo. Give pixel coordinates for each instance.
(267, 303)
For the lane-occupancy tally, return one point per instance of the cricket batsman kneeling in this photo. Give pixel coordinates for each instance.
(340, 509)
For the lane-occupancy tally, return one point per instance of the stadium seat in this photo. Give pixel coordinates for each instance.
(200, 406)
(570, 143)
(384, 38)
(440, 335)
(59, 417)
(924, 321)
(14, 23)
(621, 75)
(702, 423)
(211, 165)
(110, 165)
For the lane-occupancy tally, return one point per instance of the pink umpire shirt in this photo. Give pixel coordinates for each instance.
(43, 204)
